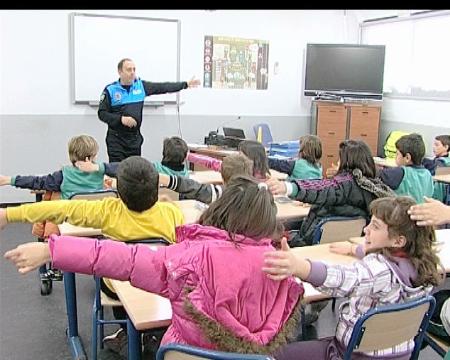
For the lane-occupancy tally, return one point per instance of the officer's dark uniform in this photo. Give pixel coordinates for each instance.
(128, 100)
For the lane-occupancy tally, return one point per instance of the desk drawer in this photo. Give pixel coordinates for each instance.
(331, 111)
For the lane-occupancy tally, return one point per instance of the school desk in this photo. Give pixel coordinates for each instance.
(442, 178)
(384, 162)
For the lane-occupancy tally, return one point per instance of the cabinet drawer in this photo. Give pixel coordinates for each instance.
(332, 112)
(335, 127)
(364, 114)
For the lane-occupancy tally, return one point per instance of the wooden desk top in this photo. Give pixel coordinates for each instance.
(211, 150)
(206, 177)
(73, 230)
(146, 310)
(442, 178)
(321, 252)
(383, 162)
(291, 210)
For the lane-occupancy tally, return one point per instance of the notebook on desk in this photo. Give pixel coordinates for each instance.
(232, 132)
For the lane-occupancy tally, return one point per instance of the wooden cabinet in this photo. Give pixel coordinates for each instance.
(334, 122)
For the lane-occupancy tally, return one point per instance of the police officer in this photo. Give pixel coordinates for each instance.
(121, 106)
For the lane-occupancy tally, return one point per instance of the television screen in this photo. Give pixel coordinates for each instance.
(345, 70)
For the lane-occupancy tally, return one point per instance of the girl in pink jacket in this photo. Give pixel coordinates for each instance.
(220, 297)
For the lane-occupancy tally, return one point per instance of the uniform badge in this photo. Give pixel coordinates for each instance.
(117, 96)
(102, 97)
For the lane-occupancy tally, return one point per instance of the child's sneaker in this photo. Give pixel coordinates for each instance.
(116, 341)
(52, 274)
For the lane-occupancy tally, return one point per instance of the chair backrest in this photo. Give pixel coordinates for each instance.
(149, 241)
(263, 134)
(338, 228)
(187, 352)
(386, 326)
(94, 195)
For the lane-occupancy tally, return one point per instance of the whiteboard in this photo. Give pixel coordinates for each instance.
(99, 42)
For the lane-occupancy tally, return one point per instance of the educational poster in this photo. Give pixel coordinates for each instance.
(235, 63)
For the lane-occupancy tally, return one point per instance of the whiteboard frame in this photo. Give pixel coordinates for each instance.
(72, 56)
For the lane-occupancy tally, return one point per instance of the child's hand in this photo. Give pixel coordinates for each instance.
(87, 165)
(29, 256)
(431, 212)
(164, 179)
(281, 264)
(5, 180)
(276, 187)
(3, 219)
(344, 248)
(332, 170)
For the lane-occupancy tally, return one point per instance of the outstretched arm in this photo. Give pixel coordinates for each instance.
(50, 182)
(91, 256)
(5, 180)
(431, 212)
(283, 263)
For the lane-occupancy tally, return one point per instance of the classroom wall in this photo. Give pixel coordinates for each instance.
(37, 118)
(427, 117)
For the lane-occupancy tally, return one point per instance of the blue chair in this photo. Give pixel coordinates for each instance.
(266, 134)
(437, 344)
(386, 326)
(338, 228)
(187, 352)
(101, 300)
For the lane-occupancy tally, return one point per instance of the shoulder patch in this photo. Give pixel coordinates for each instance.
(102, 96)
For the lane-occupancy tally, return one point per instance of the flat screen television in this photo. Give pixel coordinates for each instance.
(345, 70)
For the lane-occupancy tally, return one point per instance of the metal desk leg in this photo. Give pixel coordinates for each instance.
(75, 345)
(134, 341)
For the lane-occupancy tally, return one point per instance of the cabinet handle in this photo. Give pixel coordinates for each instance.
(333, 111)
(365, 112)
(331, 133)
(363, 134)
(330, 156)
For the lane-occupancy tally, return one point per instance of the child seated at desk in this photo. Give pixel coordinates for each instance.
(135, 215)
(175, 151)
(254, 150)
(232, 165)
(400, 264)
(409, 177)
(348, 193)
(441, 146)
(307, 166)
(67, 181)
(220, 298)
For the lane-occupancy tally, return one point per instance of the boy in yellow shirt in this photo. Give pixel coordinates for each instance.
(136, 214)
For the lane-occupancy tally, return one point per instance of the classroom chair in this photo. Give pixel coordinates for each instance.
(101, 300)
(338, 228)
(386, 326)
(263, 134)
(187, 352)
(437, 344)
